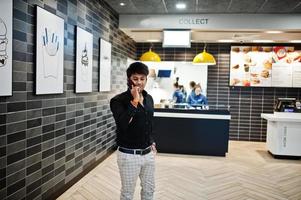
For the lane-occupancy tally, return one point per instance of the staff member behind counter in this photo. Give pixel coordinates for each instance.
(196, 98)
(178, 96)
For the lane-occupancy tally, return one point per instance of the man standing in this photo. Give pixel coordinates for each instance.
(133, 113)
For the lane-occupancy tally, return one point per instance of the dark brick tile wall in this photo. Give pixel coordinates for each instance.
(246, 104)
(47, 140)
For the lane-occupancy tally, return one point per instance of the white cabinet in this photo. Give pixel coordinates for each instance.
(284, 133)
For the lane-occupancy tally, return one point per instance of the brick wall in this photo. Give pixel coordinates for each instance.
(48, 140)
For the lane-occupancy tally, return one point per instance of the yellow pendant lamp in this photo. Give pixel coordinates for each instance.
(204, 58)
(150, 56)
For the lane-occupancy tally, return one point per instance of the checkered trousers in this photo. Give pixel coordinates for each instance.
(130, 167)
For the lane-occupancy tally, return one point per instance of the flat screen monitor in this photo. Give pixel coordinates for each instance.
(164, 73)
(176, 38)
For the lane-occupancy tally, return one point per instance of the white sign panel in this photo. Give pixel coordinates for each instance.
(84, 59)
(50, 53)
(6, 20)
(105, 66)
(211, 21)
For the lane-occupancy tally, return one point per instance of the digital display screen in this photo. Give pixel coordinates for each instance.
(164, 73)
(288, 109)
(176, 38)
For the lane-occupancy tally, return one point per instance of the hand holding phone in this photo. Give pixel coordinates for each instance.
(134, 90)
(130, 83)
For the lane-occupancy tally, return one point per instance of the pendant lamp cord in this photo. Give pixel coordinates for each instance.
(151, 46)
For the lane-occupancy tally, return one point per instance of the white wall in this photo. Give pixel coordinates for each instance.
(187, 72)
(162, 88)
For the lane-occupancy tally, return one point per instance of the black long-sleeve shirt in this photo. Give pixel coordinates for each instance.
(136, 133)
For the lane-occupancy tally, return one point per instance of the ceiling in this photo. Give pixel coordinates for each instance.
(138, 7)
(206, 6)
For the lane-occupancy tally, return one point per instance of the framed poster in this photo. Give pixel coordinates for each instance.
(105, 66)
(6, 43)
(84, 59)
(49, 53)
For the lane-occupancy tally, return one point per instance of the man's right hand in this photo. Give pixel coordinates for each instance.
(135, 93)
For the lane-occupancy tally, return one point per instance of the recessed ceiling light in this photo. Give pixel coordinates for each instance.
(180, 5)
(274, 32)
(263, 41)
(295, 41)
(122, 4)
(226, 41)
(153, 40)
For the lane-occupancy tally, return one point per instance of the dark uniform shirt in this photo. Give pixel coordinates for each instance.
(136, 134)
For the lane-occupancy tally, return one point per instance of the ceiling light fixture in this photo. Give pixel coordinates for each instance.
(122, 4)
(274, 32)
(180, 5)
(295, 41)
(263, 41)
(152, 40)
(150, 56)
(204, 58)
(226, 41)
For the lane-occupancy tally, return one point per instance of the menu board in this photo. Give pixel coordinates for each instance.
(265, 66)
(296, 72)
(282, 75)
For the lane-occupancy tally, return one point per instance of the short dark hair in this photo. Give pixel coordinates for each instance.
(192, 84)
(137, 68)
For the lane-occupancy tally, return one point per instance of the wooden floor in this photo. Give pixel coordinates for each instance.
(248, 172)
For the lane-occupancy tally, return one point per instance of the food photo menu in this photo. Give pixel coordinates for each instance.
(265, 66)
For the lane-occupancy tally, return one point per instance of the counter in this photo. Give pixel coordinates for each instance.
(198, 132)
(283, 134)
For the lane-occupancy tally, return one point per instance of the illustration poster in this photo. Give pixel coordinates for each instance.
(6, 20)
(105, 66)
(50, 53)
(84, 59)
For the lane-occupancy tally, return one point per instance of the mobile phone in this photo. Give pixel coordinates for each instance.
(130, 83)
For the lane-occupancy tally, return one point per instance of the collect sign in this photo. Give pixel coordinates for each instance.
(190, 20)
(211, 21)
